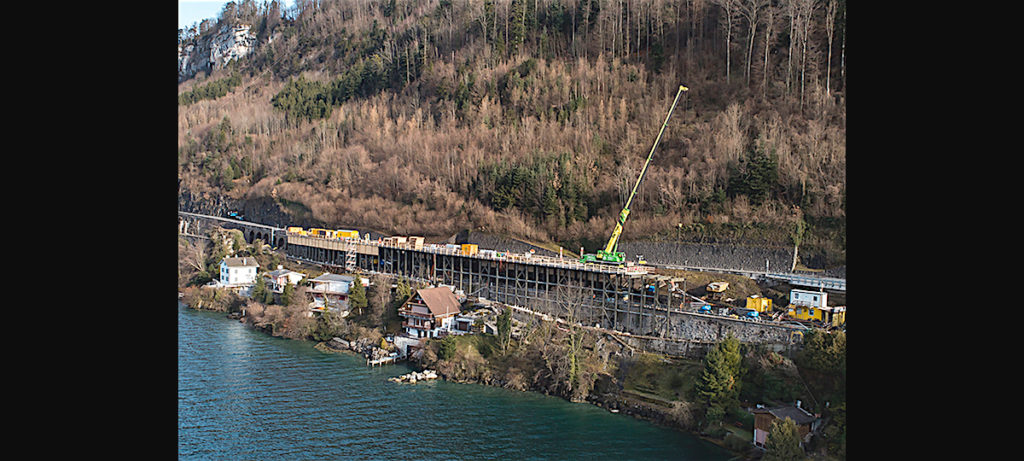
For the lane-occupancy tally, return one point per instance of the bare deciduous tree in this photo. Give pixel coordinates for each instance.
(805, 10)
(769, 25)
(380, 296)
(569, 305)
(729, 7)
(750, 9)
(790, 8)
(192, 257)
(830, 28)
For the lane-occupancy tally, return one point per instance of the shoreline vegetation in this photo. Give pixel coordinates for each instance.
(709, 398)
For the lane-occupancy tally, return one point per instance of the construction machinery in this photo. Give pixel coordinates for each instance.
(717, 287)
(609, 255)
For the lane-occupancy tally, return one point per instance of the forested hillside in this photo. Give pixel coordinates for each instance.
(532, 118)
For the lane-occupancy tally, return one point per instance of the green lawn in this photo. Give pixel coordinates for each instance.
(668, 379)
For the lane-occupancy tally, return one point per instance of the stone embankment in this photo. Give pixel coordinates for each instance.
(261, 210)
(687, 334)
(749, 258)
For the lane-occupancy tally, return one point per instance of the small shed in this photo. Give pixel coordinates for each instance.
(763, 418)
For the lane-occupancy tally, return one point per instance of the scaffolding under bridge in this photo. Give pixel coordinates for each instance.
(623, 298)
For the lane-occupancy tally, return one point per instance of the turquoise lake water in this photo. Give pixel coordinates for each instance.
(245, 395)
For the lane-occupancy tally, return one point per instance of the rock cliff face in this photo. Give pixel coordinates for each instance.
(215, 51)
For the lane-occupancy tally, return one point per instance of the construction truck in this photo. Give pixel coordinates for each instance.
(717, 287)
(609, 255)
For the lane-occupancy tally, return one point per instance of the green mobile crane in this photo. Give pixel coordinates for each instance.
(608, 255)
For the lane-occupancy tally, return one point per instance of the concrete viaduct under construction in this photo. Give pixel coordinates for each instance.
(629, 299)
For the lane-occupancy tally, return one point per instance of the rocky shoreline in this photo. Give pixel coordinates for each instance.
(609, 397)
(672, 416)
(366, 347)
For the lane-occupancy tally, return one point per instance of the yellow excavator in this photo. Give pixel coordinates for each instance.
(609, 255)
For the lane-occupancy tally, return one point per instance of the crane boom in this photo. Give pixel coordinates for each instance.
(608, 254)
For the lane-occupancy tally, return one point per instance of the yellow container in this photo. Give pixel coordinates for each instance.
(759, 303)
(806, 313)
(838, 316)
(835, 316)
(469, 249)
(347, 234)
(295, 230)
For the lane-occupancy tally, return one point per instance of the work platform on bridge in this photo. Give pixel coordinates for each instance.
(613, 295)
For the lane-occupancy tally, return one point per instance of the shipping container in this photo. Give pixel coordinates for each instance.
(808, 298)
(838, 316)
(416, 242)
(759, 303)
(347, 234)
(295, 230)
(834, 316)
(469, 249)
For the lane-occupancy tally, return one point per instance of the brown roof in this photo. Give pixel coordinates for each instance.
(241, 262)
(440, 300)
(798, 415)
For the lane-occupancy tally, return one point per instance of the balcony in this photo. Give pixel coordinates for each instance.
(425, 327)
(412, 314)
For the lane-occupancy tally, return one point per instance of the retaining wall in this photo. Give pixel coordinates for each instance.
(749, 258)
(690, 334)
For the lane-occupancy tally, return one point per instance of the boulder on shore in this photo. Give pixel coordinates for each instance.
(338, 343)
(415, 376)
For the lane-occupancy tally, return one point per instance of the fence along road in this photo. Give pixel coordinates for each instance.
(829, 283)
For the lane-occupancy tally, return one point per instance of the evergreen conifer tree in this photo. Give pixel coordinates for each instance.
(287, 294)
(783, 442)
(719, 383)
(357, 296)
(505, 329)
